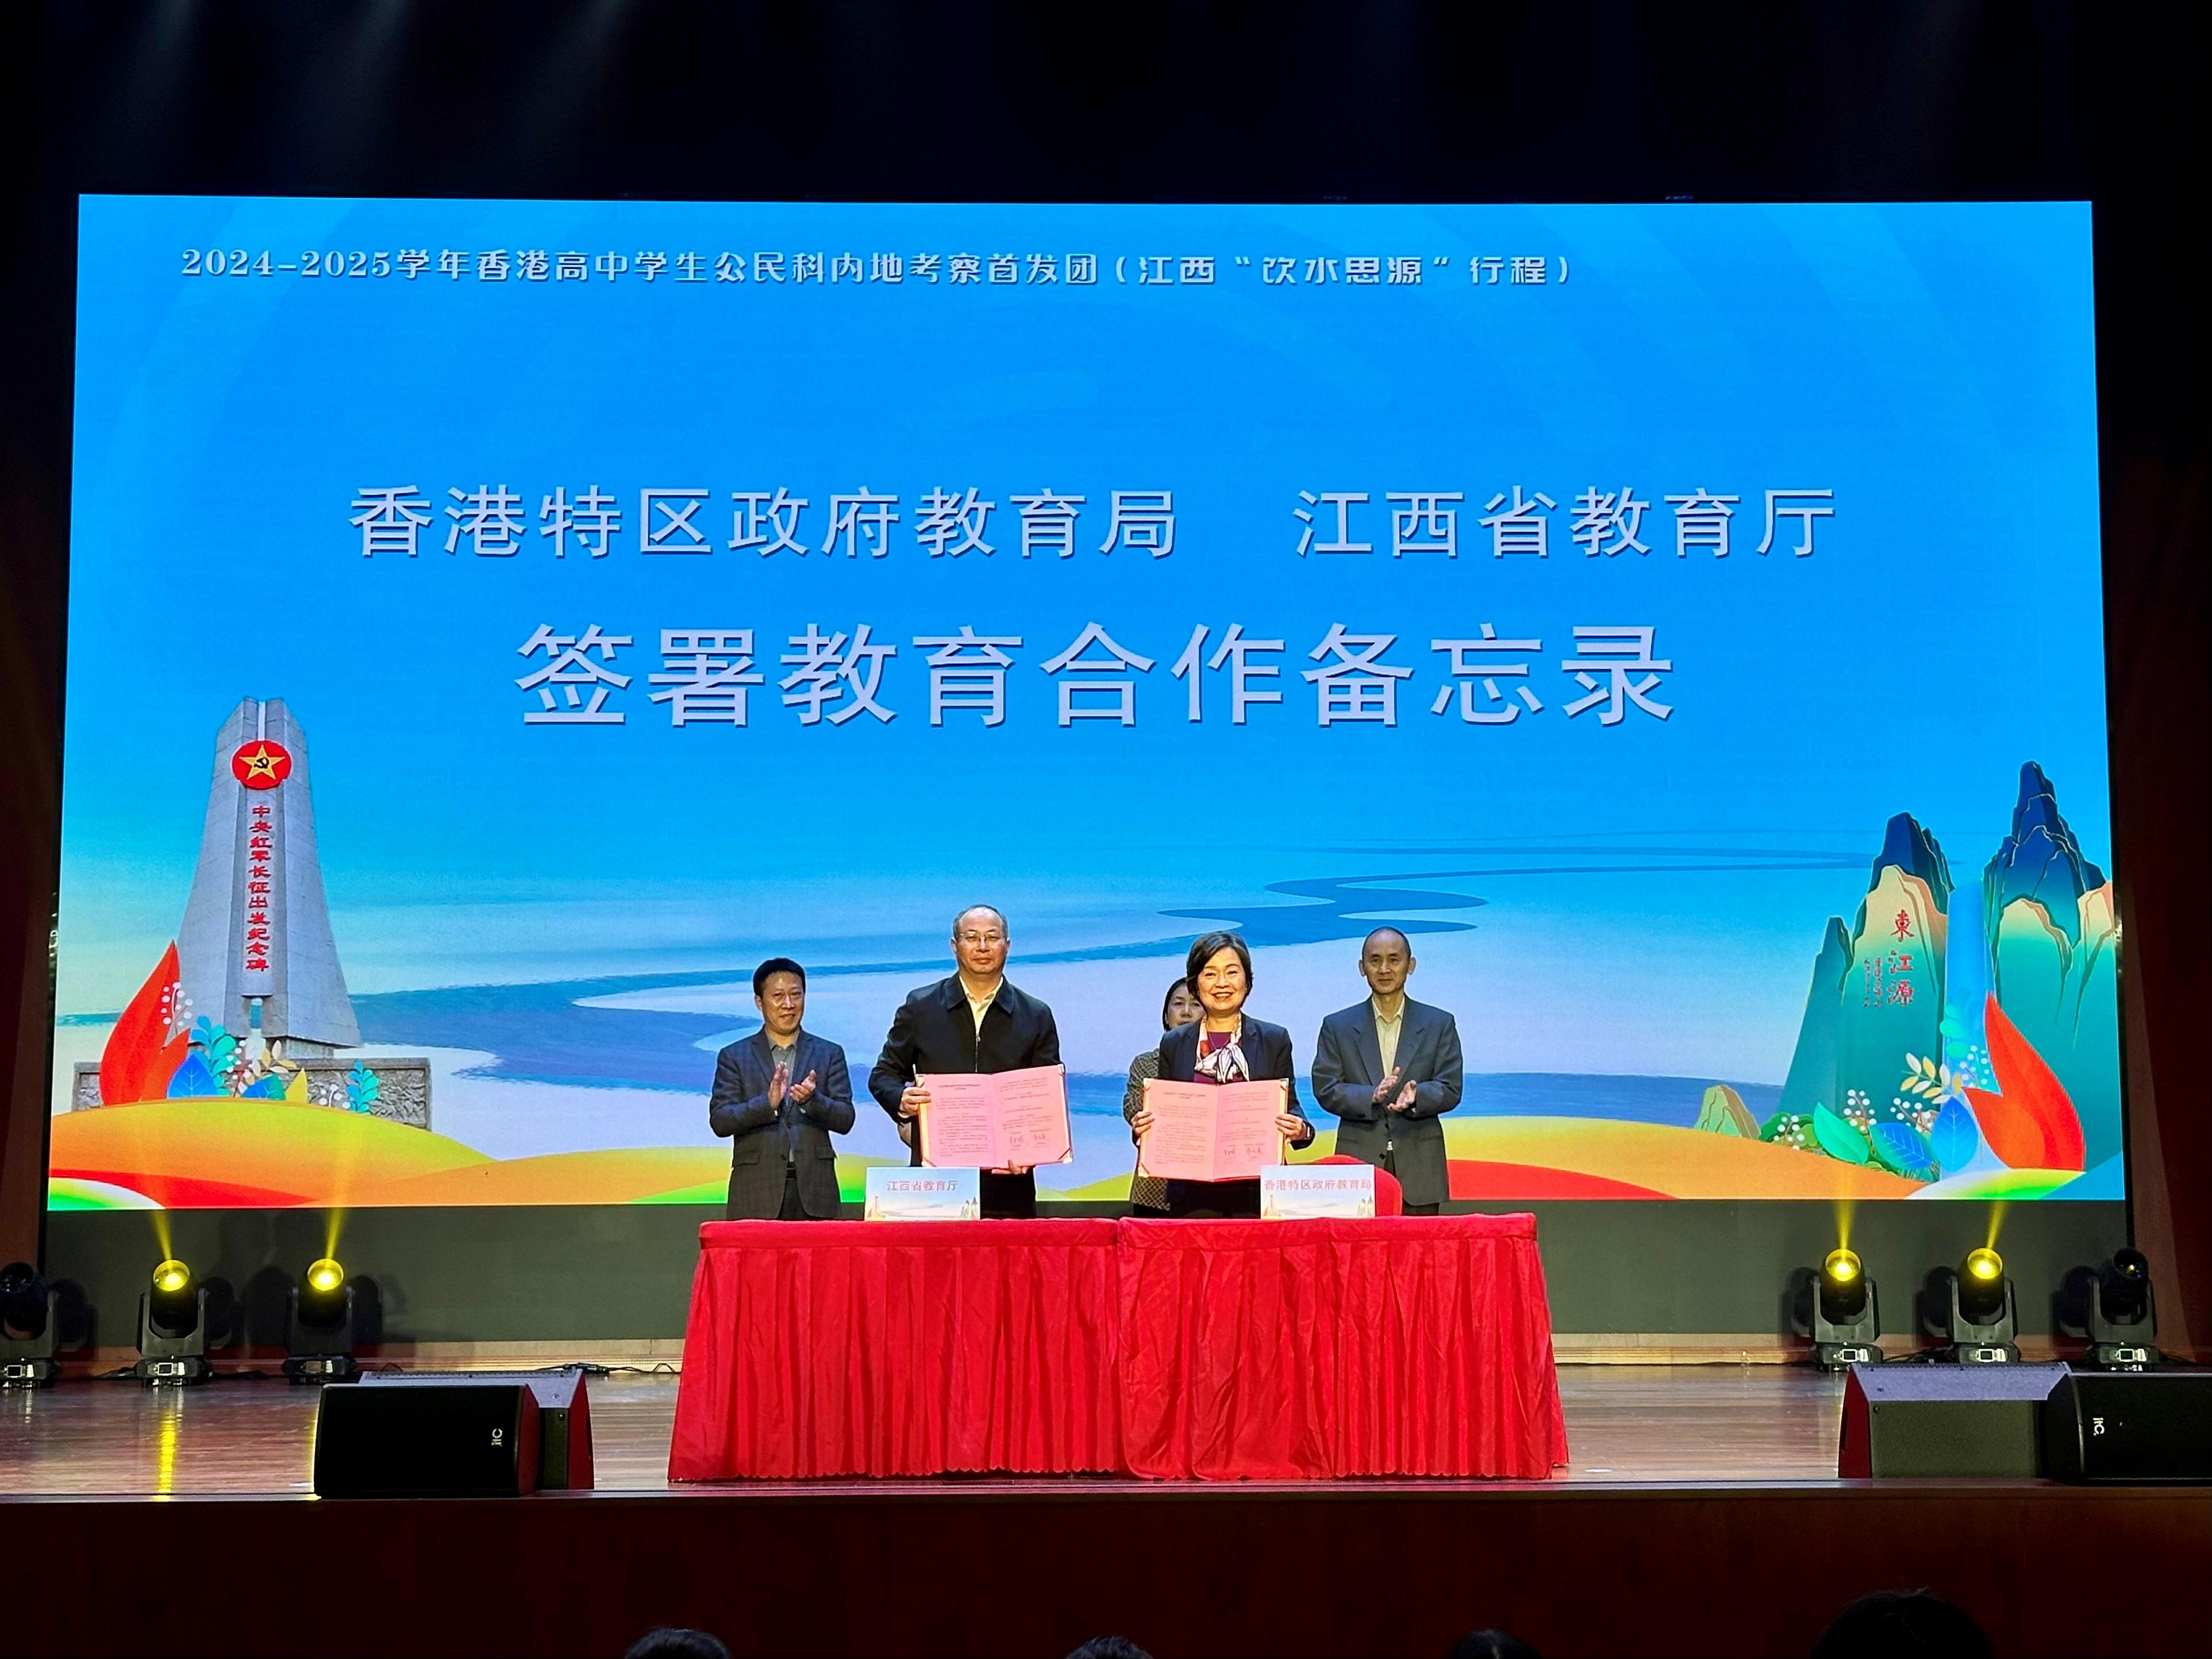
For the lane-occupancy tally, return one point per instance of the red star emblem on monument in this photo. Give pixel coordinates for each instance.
(261, 764)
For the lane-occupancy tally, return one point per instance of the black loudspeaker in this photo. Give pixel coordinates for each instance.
(1959, 1420)
(564, 1416)
(2131, 1428)
(443, 1439)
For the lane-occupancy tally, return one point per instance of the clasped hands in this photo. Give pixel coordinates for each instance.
(1391, 1095)
(780, 1086)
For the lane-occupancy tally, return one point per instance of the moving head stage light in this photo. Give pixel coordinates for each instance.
(318, 1331)
(1982, 1323)
(2123, 1314)
(1844, 1317)
(29, 1321)
(173, 1328)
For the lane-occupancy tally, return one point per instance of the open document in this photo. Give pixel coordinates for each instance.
(999, 1120)
(1212, 1131)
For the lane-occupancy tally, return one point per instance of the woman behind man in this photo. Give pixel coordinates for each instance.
(1226, 1045)
(1180, 1007)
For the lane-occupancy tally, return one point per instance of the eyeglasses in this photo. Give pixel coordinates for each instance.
(983, 939)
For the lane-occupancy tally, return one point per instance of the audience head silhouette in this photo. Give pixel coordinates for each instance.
(1110, 1647)
(1902, 1625)
(669, 1642)
(1491, 1644)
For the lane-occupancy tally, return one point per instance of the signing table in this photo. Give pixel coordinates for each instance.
(1303, 1350)
(899, 1348)
(1175, 1350)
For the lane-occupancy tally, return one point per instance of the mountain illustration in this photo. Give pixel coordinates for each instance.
(1877, 990)
(1899, 982)
(1812, 1079)
(2051, 933)
(1893, 999)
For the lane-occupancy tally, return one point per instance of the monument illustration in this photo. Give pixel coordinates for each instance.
(251, 1000)
(256, 951)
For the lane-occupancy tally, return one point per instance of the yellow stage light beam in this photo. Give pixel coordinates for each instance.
(170, 1418)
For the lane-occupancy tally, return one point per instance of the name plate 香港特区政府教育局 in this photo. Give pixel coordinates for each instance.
(1295, 1192)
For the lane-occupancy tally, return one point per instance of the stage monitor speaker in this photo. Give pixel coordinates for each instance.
(2130, 1428)
(444, 1439)
(1961, 1420)
(564, 1416)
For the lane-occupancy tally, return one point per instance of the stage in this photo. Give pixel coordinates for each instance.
(239, 1437)
(188, 1512)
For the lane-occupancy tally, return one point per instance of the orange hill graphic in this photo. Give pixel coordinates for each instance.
(222, 1153)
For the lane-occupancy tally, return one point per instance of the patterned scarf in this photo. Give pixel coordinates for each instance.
(1225, 1064)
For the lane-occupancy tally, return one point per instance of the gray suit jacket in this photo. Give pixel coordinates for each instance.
(1348, 1064)
(739, 1108)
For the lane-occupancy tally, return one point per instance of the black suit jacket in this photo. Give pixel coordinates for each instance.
(1268, 1052)
(1266, 1048)
(1348, 1064)
(933, 1031)
(739, 1108)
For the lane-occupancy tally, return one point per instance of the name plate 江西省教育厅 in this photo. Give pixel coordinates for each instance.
(898, 1193)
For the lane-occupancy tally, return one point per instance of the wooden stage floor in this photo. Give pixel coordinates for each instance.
(255, 1437)
(1701, 1515)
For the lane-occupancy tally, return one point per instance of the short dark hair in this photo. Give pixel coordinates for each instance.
(970, 909)
(669, 1642)
(776, 965)
(1110, 1647)
(1492, 1644)
(1899, 1625)
(1207, 946)
(1373, 933)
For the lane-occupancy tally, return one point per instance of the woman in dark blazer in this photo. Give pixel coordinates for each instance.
(1226, 1045)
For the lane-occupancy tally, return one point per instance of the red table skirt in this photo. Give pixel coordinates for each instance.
(851, 1347)
(1303, 1350)
(1215, 1350)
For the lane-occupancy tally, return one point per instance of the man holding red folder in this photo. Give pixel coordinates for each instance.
(973, 1021)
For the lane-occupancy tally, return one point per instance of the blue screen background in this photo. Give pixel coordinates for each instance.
(1639, 902)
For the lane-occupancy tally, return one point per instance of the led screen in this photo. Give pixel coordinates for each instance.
(496, 626)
